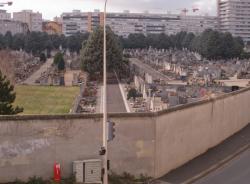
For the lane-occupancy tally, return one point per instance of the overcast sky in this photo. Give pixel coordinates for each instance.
(52, 8)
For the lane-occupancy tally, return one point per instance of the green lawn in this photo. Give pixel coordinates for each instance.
(45, 99)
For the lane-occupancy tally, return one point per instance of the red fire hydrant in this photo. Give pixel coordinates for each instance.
(57, 172)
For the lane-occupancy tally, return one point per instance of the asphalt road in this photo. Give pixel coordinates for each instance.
(235, 172)
(211, 158)
(114, 99)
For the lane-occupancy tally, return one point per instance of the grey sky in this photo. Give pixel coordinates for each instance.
(52, 8)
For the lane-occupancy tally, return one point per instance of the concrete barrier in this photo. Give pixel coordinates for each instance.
(145, 143)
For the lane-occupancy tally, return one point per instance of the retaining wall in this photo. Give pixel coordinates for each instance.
(146, 143)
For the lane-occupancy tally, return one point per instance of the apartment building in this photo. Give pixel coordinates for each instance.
(74, 22)
(197, 24)
(13, 26)
(126, 23)
(4, 15)
(234, 17)
(33, 19)
(123, 23)
(52, 27)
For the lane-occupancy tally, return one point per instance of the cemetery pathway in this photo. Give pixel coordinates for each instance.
(154, 73)
(146, 68)
(32, 79)
(115, 102)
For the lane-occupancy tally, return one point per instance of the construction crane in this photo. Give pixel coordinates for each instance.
(7, 3)
(195, 9)
(184, 11)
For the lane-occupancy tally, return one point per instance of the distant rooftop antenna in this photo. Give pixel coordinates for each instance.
(184, 11)
(195, 9)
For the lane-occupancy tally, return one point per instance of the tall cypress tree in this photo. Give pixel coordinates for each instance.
(7, 97)
(92, 52)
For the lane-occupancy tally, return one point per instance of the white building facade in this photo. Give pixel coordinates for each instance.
(4, 15)
(234, 17)
(13, 26)
(33, 19)
(74, 22)
(126, 23)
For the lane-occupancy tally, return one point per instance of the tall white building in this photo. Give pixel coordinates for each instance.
(198, 24)
(74, 22)
(33, 19)
(234, 17)
(4, 15)
(126, 23)
(13, 26)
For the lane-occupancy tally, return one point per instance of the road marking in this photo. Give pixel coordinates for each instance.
(123, 95)
(217, 166)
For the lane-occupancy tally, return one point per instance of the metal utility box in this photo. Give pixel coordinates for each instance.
(88, 171)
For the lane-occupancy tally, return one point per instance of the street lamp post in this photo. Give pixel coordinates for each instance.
(105, 114)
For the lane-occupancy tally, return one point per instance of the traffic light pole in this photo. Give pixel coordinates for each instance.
(105, 114)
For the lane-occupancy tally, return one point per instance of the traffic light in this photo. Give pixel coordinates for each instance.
(111, 130)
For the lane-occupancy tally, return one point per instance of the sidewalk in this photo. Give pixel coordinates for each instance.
(210, 158)
(99, 101)
(32, 79)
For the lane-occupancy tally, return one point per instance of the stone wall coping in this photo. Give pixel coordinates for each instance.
(120, 115)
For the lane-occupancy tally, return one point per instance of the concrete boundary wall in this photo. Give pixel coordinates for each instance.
(145, 143)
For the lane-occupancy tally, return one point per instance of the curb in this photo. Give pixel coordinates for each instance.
(123, 94)
(217, 166)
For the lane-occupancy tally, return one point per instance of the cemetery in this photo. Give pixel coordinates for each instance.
(18, 65)
(188, 78)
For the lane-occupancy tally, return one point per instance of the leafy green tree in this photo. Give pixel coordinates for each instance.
(7, 97)
(132, 93)
(8, 39)
(196, 44)
(163, 41)
(2, 44)
(59, 61)
(37, 42)
(152, 40)
(186, 43)
(211, 46)
(136, 41)
(239, 48)
(92, 52)
(56, 41)
(43, 57)
(74, 42)
(61, 65)
(63, 41)
(34, 43)
(178, 39)
(18, 41)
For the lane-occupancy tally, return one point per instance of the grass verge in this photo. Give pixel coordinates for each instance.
(45, 99)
